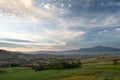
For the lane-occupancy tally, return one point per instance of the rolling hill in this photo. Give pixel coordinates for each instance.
(7, 57)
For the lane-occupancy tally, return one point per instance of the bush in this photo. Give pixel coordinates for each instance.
(115, 61)
(57, 65)
(14, 65)
(40, 67)
(2, 71)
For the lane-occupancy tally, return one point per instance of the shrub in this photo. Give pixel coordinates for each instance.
(40, 67)
(57, 65)
(2, 71)
(14, 65)
(115, 61)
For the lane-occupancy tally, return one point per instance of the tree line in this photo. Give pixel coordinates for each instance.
(57, 65)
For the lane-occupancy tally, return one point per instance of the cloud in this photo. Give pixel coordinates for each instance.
(6, 44)
(103, 32)
(16, 40)
(58, 24)
(24, 47)
(118, 29)
(25, 9)
(47, 6)
(103, 20)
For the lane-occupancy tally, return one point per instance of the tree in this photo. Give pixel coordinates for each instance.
(115, 62)
(57, 65)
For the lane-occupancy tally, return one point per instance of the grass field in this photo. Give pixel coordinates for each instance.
(101, 72)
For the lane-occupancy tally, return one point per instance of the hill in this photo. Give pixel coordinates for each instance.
(7, 57)
(98, 50)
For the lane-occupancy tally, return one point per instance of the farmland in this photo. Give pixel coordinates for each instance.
(16, 66)
(89, 72)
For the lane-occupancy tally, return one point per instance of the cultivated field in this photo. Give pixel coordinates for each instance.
(88, 72)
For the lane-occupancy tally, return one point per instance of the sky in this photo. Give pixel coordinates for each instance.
(55, 25)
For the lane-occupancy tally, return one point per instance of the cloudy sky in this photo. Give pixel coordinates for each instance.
(30, 25)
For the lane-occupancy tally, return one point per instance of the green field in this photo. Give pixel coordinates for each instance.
(103, 72)
(106, 72)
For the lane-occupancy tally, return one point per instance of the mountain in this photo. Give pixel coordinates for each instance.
(8, 52)
(84, 51)
(7, 57)
(3, 51)
(100, 49)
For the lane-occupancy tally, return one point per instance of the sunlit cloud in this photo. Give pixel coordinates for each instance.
(118, 29)
(31, 25)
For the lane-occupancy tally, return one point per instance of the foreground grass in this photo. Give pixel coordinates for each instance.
(22, 73)
(106, 72)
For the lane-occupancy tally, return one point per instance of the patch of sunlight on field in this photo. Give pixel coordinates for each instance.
(105, 72)
(80, 77)
(108, 67)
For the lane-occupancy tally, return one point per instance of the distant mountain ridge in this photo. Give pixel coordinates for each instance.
(7, 57)
(89, 51)
(2, 51)
(93, 50)
(99, 49)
